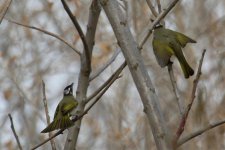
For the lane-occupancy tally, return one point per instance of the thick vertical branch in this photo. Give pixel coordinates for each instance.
(139, 73)
(83, 81)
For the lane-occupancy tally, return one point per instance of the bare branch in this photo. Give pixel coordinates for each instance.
(174, 85)
(47, 114)
(48, 33)
(152, 8)
(156, 21)
(14, 132)
(48, 139)
(101, 69)
(82, 36)
(107, 82)
(185, 116)
(159, 6)
(199, 132)
(4, 8)
(115, 77)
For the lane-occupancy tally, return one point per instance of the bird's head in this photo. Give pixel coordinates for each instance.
(68, 90)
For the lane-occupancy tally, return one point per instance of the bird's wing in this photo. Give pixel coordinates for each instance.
(183, 39)
(59, 123)
(68, 107)
(55, 124)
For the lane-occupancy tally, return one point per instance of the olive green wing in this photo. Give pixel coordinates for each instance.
(69, 106)
(60, 123)
(182, 39)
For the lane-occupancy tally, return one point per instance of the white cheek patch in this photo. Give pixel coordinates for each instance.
(72, 117)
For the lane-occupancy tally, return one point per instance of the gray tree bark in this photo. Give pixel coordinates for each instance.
(139, 73)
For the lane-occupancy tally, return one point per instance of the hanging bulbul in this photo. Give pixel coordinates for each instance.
(166, 43)
(62, 118)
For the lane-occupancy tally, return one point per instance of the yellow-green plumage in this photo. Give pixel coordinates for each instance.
(167, 43)
(62, 114)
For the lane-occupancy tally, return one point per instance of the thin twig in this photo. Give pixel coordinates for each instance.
(199, 132)
(101, 69)
(85, 111)
(152, 8)
(156, 21)
(48, 33)
(14, 132)
(47, 113)
(159, 6)
(79, 30)
(48, 139)
(186, 113)
(106, 83)
(174, 85)
(4, 9)
(116, 76)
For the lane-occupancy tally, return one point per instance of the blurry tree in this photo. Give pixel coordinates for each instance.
(39, 42)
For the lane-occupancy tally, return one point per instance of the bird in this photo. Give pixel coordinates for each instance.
(166, 43)
(62, 116)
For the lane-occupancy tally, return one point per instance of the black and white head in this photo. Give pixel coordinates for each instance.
(68, 90)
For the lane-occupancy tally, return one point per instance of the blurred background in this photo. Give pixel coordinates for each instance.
(117, 121)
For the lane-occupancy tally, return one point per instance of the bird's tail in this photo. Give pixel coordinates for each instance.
(187, 70)
(61, 123)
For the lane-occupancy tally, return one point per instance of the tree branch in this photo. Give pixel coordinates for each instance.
(139, 73)
(47, 113)
(82, 36)
(4, 9)
(120, 69)
(174, 85)
(159, 6)
(186, 113)
(46, 32)
(152, 8)
(83, 81)
(102, 68)
(14, 132)
(199, 132)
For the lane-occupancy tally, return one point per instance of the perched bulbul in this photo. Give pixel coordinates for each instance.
(166, 43)
(62, 115)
